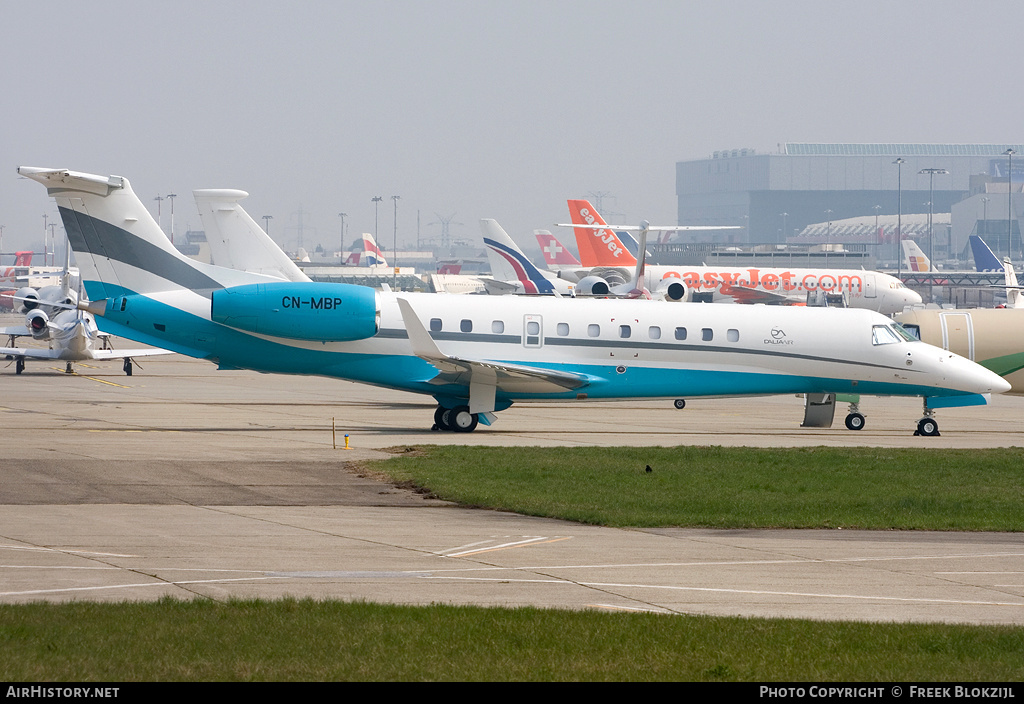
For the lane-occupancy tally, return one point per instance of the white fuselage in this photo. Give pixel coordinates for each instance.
(870, 290)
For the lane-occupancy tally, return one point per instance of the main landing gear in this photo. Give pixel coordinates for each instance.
(458, 419)
(927, 426)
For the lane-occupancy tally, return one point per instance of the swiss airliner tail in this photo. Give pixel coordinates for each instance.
(555, 253)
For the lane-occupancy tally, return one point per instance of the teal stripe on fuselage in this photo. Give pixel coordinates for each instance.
(195, 336)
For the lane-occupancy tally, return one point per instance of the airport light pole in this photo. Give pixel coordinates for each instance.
(984, 215)
(394, 251)
(828, 235)
(1009, 200)
(931, 190)
(899, 217)
(877, 208)
(159, 212)
(783, 225)
(341, 253)
(266, 223)
(376, 204)
(171, 197)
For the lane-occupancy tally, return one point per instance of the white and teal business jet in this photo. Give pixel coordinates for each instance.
(477, 355)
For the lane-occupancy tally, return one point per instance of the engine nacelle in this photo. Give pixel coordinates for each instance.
(299, 310)
(36, 322)
(24, 306)
(592, 286)
(672, 290)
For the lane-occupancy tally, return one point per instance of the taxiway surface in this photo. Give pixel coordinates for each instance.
(185, 480)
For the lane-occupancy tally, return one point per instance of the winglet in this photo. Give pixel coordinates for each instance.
(423, 344)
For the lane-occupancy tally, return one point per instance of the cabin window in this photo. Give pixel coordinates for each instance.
(680, 333)
(654, 332)
(883, 335)
(593, 330)
(624, 331)
(707, 334)
(533, 328)
(562, 329)
(733, 335)
(497, 326)
(466, 326)
(435, 325)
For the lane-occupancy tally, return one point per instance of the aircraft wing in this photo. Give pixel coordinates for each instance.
(745, 294)
(16, 331)
(497, 287)
(484, 378)
(45, 353)
(30, 352)
(121, 354)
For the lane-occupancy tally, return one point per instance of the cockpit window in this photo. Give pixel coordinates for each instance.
(883, 335)
(913, 330)
(907, 334)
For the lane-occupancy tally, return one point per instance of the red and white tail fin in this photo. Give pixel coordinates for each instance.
(370, 255)
(555, 253)
(597, 247)
(23, 259)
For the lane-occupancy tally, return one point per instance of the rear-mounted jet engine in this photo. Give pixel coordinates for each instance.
(303, 311)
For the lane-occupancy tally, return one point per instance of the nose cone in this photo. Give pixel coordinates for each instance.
(1001, 386)
(974, 378)
(911, 297)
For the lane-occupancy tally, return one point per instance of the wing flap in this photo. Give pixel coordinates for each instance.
(484, 378)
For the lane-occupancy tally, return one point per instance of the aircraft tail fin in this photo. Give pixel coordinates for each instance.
(236, 241)
(23, 258)
(555, 253)
(369, 254)
(984, 259)
(118, 245)
(916, 259)
(1014, 299)
(508, 262)
(597, 247)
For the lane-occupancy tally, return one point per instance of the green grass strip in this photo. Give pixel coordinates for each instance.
(290, 640)
(724, 487)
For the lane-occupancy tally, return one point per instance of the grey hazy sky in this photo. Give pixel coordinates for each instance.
(475, 107)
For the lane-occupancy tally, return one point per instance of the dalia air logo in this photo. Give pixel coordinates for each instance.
(778, 338)
(604, 235)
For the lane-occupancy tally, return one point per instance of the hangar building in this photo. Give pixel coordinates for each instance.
(775, 196)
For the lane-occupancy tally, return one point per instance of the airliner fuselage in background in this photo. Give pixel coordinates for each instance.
(478, 355)
(601, 250)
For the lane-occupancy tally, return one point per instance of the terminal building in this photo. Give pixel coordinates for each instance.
(791, 195)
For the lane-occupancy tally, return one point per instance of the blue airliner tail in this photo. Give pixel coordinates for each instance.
(984, 259)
